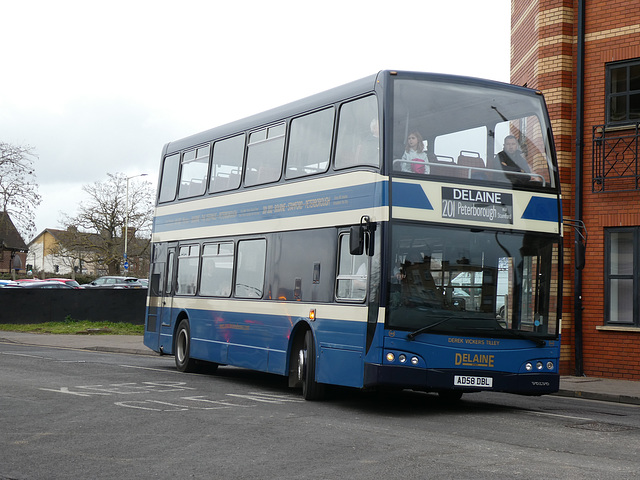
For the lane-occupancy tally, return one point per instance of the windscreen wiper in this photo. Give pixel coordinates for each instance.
(413, 335)
(538, 341)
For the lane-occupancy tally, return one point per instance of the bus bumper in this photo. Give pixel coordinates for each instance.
(376, 375)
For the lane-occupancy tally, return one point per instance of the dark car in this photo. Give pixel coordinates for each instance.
(39, 284)
(114, 282)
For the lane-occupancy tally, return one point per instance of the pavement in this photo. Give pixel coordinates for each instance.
(593, 388)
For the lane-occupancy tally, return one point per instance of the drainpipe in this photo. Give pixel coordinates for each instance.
(577, 286)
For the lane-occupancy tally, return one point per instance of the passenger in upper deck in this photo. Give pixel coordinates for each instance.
(367, 152)
(511, 160)
(414, 152)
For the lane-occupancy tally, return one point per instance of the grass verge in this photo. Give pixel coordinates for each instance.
(76, 327)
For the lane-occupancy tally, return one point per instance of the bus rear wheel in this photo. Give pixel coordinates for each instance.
(184, 362)
(306, 369)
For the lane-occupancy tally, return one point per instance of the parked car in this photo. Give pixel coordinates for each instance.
(38, 284)
(114, 282)
(68, 281)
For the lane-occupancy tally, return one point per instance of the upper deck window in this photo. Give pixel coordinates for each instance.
(484, 134)
(169, 181)
(226, 166)
(358, 140)
(193, 178)
(310, 144)
(264, 155)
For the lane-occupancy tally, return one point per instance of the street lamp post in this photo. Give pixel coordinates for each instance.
(126, 223)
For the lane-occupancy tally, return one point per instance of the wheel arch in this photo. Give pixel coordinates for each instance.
(296, 340)
(182, 315)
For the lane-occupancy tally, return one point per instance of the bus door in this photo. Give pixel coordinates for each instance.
(160, 297)
(166, 298)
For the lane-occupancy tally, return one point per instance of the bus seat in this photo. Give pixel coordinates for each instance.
(220, 183)
(441, 165)
(469, 159)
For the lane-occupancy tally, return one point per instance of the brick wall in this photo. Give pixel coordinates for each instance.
(543, 56)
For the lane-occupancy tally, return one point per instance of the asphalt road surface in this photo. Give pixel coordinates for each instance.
(78, 415)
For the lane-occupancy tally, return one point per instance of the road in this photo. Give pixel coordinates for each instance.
(76, 415)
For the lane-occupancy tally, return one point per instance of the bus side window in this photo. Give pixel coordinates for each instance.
(217, 269)
(193, 175)
(352, 273)
(264, 155)
(250, 268)
(227, 164)
(358, 140)
(169, 181)
(187, 271)
(310, 144)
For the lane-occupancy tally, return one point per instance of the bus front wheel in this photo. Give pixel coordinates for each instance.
(184, 363)
(306, 371)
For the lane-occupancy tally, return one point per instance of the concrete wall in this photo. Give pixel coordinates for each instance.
(20, 306)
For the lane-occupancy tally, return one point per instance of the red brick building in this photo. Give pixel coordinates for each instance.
(585, 57)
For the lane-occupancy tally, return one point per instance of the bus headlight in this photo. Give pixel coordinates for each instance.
(528, 366)
(390, 357)
(549, 365)
(414, 360)
(539, 365)
(402, 358)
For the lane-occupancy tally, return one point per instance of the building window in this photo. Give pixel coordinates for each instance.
(622, 273)
(623, 92)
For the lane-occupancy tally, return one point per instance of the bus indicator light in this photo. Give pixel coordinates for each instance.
(312, 314)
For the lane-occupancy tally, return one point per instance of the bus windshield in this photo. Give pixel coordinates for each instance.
(473, 282)
(470, 131)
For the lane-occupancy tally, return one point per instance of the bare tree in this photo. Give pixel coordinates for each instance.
(18, 191)
(100, 222)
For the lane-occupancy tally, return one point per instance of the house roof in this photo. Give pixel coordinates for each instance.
(53, 231)
(10, 239)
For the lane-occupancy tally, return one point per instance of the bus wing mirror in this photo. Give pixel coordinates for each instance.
(356, 240)
(580, 242)
(580, 254)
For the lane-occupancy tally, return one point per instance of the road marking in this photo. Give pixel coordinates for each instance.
(25, 355)
(570, 417)
(122, 388)
(173, 407)
(266, 397)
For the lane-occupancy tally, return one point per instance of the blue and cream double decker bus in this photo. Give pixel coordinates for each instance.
(402, 231)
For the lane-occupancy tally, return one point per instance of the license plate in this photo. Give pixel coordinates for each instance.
(467, 381)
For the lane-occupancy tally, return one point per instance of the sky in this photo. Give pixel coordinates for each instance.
(100, 87)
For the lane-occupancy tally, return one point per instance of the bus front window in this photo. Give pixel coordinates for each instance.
(472, 282)
(471, 132)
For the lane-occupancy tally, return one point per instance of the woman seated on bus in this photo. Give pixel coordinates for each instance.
(414, 158)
